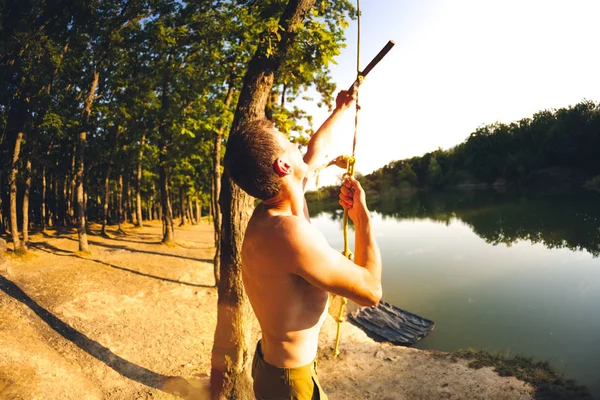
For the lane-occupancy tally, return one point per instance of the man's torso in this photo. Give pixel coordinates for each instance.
(289, 309)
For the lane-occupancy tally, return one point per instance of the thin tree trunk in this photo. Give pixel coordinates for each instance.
(216, 182)
(138, 185)
(57, 200)
(149, 208)
(2, 229)
(113, 138)
(119, 202)
(165, 136)
(81, 224)
(230, 356)
(166, 210)
(182, 205)
(43, 205)
(128, 215)
(193, 216)
(20, 248)
(25, 221)
(72, 189)
(198, 209)
(188, 212)
(106, 200)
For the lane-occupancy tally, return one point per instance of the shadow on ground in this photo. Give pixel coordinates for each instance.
(170, 384)
(48, 248)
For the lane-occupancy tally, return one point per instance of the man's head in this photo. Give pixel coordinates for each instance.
(258, 157)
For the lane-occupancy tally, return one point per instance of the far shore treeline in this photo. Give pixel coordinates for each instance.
(553, 149)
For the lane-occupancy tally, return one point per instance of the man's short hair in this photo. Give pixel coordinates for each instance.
(251, 153)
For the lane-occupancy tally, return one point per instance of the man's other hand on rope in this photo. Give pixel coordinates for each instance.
(353, 199)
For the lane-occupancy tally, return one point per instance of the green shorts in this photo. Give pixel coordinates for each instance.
(273, 383)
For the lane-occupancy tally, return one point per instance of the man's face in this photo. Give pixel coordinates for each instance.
(291, 154)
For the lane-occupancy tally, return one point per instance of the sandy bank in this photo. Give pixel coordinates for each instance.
(121, 323)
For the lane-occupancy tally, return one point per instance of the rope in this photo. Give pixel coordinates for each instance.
(350, 162)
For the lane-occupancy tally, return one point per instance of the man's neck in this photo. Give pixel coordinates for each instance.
(289, 201)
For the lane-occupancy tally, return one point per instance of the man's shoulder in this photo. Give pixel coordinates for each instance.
(280, 229)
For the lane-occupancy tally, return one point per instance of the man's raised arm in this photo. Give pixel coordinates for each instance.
(322, 140)
(304, 249)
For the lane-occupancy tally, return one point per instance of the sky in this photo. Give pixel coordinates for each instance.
(457, 65)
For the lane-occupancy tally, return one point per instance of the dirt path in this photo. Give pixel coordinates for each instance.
(136, 319)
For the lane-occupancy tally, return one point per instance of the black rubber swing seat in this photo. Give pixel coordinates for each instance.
(387, 323)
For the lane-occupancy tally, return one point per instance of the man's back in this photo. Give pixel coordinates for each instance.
(290, 310)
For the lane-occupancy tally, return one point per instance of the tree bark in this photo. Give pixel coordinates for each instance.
(19, 247)
(127, 216)
(2, 229)
(195, 217)
(113, 146)
(119, 203)
(216, 182)
(82, 139)
(72, 189)
(25, 206)
(182, 205)
(138, 185)
(81, 223)
(230, 356)
(165, 139)
(166, 210)
(43, 202)
(106, 200)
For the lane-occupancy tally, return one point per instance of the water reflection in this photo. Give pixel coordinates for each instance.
(500, 293)
(558, 220)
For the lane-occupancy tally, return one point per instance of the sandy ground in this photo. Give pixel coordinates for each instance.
(136, 319)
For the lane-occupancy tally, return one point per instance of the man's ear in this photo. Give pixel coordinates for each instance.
(282, 167)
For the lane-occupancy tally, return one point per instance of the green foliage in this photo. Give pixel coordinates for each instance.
(166, 68)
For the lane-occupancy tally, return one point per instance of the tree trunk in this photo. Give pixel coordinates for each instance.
(182, 205)
(57, 209)
(81, 224)
(20, 248)
(119, 202)
(2, 229)
(165, 139)
(193, 216)
(26, 190)
(216, 182)
(198, 208)
(188, 212)
(231, 350)
(106, 200)
(43, 205)
(72, 189)
(113, 138)
(166, 210)
(138, 185)
(127, 201)
(149, 208)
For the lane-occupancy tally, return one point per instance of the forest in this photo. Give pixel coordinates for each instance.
(553, 146)
(119, 111)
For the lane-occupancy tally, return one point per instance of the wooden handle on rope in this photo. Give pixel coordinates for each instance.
(374, 62)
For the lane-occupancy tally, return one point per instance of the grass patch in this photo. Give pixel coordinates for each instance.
(549, 383)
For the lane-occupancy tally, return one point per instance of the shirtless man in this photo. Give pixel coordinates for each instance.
(288, 267)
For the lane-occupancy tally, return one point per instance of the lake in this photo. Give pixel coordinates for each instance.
(516, 273)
